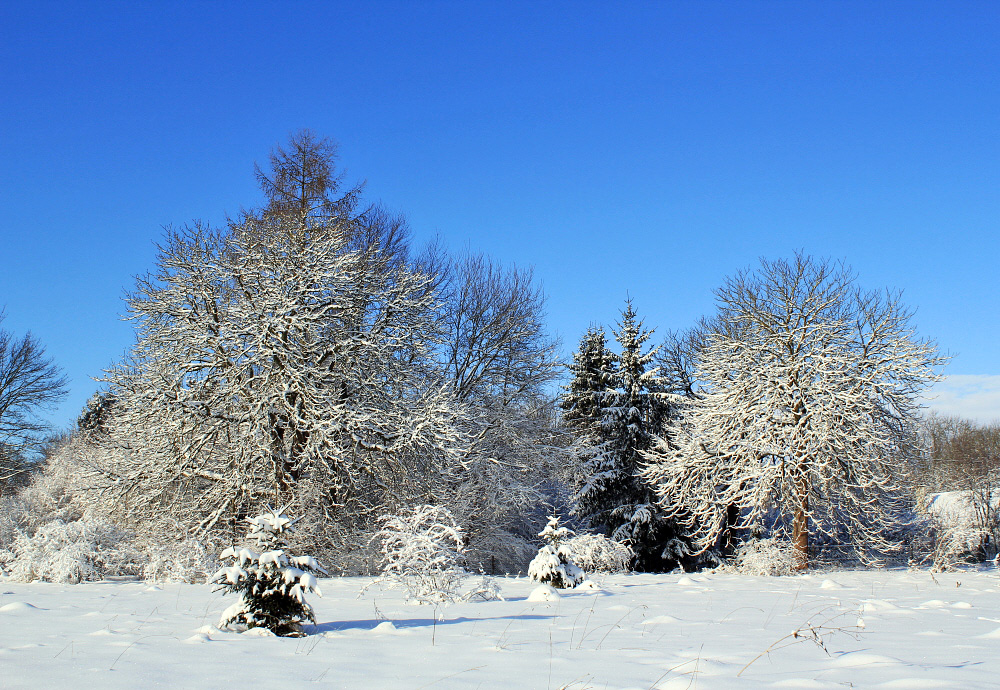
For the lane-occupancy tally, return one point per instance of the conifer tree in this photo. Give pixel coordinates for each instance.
(591, 367)
(271, 583)
(614, 498)
(553, 565)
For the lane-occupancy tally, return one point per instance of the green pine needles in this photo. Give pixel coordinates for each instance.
(272, 584)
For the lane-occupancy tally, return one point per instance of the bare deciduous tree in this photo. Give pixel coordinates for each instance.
(497, 360)
(29, 383)
(496, 345)
(811, 399)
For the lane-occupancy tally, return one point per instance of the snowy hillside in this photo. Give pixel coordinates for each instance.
(891, 629)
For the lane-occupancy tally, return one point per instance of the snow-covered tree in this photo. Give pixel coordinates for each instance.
(553, 565)
(614, 497)
(498, 359)
(292, 353)
(591, 368)
(810, 396)
(422, 553)
(271, 583)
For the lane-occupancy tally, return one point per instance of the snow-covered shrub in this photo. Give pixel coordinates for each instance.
(182, 561)
(12, 524)
(44, 501)
(486, 589)
(73, 552)
(964, 526)
(272, 585)
(422, 553)
(765, 557)
(596, 553)
(554, 563)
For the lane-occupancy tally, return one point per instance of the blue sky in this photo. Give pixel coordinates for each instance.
(643, 149)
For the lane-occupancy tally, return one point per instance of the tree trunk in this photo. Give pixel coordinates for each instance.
(728, 536)
(800, 522)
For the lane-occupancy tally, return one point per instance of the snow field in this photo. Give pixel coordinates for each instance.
(880, 629)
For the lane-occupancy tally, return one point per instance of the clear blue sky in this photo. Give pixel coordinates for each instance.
(643, 149)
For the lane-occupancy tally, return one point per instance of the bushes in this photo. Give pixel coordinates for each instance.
(73, 552)
(764, 557)
(182, 561)
(596, 553)
(44, 537)
(422, 553)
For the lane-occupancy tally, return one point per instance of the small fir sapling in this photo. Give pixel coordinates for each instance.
(554, 563)
(272, 584)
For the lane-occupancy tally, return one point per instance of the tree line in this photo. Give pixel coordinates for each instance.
(306, 354)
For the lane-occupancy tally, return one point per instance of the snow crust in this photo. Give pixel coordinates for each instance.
(647, 631)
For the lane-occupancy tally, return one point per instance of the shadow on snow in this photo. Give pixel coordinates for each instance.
(371, 624)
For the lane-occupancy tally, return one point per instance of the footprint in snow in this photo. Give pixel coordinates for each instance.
(655, 620)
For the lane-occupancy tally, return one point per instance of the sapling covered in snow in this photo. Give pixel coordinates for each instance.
(272, 584)
(422, 553)
(554, 563)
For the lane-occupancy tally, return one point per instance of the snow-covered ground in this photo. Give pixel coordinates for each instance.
(889, 629)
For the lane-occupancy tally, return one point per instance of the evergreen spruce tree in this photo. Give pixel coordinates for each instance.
(553, 565)
(271, 583)
(614, 499)
(591, 368)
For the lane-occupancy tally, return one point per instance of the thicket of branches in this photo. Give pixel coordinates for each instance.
(29, 384)
(959, 480)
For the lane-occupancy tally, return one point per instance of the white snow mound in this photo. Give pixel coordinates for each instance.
(19, 607)
(544, 593)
